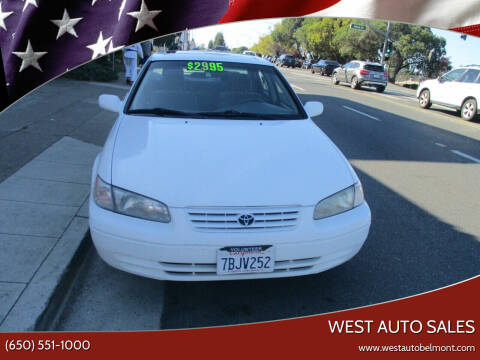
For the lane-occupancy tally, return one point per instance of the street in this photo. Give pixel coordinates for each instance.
(420, 172)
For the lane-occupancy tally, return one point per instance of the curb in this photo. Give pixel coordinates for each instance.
(40, 304)
(50, 316)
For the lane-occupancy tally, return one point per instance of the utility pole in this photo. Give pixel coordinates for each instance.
(385, 43)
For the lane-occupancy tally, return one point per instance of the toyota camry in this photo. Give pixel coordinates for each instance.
(214, 170)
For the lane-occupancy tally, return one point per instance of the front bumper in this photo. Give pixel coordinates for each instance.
(176, 251)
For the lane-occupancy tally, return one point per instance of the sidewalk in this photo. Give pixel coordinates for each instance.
(44, 218)
(48, 142)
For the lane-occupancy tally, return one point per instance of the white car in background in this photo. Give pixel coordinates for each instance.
(458, 89)
(214, 170)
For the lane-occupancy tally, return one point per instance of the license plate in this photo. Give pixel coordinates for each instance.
(377, 76)
(245, 259)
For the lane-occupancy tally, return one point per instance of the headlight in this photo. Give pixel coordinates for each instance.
(340, 202)
(127, 203)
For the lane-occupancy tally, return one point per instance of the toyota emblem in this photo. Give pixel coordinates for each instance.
(246, 220)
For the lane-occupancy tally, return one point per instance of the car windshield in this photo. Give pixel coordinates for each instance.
(205, 89)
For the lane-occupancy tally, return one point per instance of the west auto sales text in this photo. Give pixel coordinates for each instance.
(402, 326)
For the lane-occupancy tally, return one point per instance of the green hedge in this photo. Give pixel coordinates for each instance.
(98, 70)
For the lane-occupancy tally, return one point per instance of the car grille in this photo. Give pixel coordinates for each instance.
(227, 219)
(297, 265)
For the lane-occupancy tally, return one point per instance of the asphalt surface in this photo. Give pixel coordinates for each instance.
(421, 180)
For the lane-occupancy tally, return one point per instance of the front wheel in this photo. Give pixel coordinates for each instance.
(424, 99)
(334, 79)
(354, 83)
(469, 109)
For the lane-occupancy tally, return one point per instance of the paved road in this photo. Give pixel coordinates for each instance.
(421, 180)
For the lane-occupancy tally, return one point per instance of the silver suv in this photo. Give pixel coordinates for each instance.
(361, 73)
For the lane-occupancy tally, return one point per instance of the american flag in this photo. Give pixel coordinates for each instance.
(42, 39)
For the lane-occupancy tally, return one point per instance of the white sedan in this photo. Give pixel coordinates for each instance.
(214, 170)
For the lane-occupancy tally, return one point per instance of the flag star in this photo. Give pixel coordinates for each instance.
(122, 7)
(144, 17)
(94, 1)
(99, 47)
(66, 24)
(112, 49)
(3, 16)
(29, 2)
(29, 57)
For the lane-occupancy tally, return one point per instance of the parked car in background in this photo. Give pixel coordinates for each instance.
(361, 73)
(286, 60)
(248, 52)
(324, 67)
(298, 62)
(196, 181)
(458, 89)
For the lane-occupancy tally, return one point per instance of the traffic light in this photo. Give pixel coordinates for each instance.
(388, 49)
(389, 46)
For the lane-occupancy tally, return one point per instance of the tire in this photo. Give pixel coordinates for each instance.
(424, 99)
(354, 83)
(334, 79)
(313, 72)
(469, 109)
(380, 89)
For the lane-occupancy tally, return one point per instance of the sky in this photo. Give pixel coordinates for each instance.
(247, 33)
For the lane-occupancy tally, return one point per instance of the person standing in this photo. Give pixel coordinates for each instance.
(147, 48)
(130, 54)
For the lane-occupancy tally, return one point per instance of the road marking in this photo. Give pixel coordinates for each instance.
(361, 113)
(297, 87)
(441, 145)
(466, 156)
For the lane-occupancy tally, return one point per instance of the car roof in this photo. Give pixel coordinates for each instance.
(469, 67)
(210, 56)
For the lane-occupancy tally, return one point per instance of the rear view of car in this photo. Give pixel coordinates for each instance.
(361, 73)
(325, 67)
(286, 60)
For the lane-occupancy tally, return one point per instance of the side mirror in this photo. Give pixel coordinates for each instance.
(110, 102)
(314, 108)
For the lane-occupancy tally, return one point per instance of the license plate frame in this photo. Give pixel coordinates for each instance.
(237, 260)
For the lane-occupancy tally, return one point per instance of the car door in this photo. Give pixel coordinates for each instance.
(467, 86)
(351, 71)
(445, 86)
(342, 72)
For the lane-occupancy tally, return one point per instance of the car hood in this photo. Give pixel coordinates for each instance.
(198, 162)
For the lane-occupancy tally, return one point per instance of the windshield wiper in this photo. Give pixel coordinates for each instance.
(159, 111)
(228, 114)
(237, 114)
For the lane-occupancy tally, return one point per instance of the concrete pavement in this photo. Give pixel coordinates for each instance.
(48, 142)
(43, 220)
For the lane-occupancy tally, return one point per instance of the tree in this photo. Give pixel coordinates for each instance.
(266, 46)
(239, 50)
(210, 44)
(219, 40)
(360, 44)
(412, 47)
(283, 34)
(317, 36)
